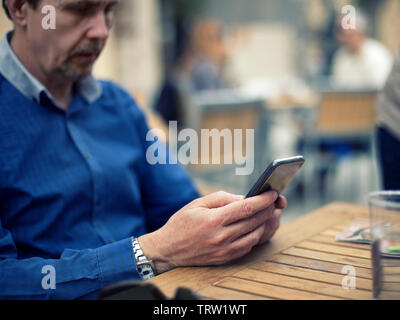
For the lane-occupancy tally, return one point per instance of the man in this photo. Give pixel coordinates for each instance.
(360, 61)
(80, 206)
(388, 131)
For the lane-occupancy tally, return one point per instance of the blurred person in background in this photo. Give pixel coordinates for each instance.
(200, 67)
(388, 131)
(360, 61)
(204, 60)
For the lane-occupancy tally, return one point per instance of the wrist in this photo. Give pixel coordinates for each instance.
(151, 250)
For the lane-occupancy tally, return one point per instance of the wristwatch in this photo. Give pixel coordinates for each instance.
(145, 267)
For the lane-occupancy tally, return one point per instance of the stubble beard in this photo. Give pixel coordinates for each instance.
(73, 69)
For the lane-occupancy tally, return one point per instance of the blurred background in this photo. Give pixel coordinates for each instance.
(286, 69)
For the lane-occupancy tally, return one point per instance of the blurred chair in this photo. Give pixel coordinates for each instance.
(225, 111)
(338, 146)
(347, 114)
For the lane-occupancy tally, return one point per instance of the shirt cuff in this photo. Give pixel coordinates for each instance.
(117, 262)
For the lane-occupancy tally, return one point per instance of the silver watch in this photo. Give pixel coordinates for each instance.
(145, 267)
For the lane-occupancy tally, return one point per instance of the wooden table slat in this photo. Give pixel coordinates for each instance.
(340, 227)
(302, 284)
(330, 233)
(310, 274)
(392, 270)
(352, 252)
(331, 257)
(319, 265)
(213, 292)
(331, 240)
(269, 291)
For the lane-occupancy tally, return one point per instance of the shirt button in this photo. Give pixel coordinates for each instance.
(88, 155)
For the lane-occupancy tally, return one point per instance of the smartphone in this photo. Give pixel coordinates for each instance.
(277, 176)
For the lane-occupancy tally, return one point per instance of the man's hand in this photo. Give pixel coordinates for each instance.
(214, 230)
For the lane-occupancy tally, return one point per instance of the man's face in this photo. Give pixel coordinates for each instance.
(81, 30)
(351, 39)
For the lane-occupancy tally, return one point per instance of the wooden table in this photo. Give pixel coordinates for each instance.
(303, 261)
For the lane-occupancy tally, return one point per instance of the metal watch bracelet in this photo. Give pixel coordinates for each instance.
(145, 267)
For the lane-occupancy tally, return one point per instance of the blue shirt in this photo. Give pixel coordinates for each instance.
(75, 186)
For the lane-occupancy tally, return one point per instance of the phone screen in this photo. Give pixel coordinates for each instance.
(277, 176)
(280, 177)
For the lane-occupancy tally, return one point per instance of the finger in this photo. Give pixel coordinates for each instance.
(244, 244)
(238, 248)
(246, 208)
(271, 227)
(281, 203)
(241, 227)
(217, 199)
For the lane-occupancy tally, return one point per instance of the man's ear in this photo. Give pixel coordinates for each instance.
(18, 11)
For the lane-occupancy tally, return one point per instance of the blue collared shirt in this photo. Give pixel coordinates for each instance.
(75, 186)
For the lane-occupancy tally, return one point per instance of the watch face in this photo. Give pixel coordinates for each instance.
(146, 271)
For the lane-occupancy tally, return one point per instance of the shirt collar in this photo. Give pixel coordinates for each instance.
(16, 73)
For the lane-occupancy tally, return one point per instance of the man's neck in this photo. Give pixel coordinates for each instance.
(60, 88)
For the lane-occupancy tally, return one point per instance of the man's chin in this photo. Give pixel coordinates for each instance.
(77, 74)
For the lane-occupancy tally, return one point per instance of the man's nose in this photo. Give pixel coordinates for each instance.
(99, 28)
